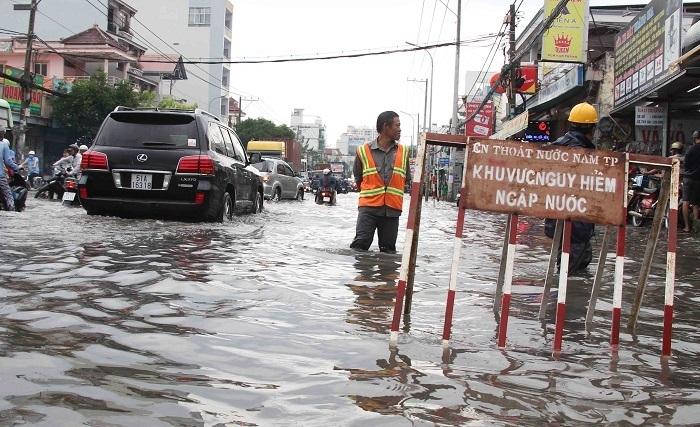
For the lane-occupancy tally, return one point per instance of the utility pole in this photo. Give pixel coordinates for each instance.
(425, 100)
(455, 95)
(512, 90)
(27, 80)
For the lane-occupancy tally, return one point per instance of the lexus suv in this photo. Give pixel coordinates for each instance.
(151, 162)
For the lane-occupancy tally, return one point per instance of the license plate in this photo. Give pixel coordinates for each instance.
(68, 196)
(326, 199)
(141, 181)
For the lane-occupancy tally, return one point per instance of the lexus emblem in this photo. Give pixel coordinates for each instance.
(142, 158)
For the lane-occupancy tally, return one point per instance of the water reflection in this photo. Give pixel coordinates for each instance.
(167, 323)
(374, 288)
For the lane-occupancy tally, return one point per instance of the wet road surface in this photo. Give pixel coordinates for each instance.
(272, 320)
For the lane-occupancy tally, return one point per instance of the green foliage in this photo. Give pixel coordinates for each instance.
(90, 101)
(262, 129)
(169, 103)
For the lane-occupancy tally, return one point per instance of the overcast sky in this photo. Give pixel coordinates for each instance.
(346, 92)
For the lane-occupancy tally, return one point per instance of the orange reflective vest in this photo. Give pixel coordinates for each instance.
(374, 192)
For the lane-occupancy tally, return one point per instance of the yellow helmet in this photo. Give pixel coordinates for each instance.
(583, 113)
(677, 145)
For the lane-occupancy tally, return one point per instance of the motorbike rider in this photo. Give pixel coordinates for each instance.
(65, 164)
(77, 158)
(330, 182)
(32, 164)
(8, 162)
(583, 119)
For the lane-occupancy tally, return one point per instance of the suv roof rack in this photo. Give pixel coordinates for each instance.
(206, 113)
(170, 110)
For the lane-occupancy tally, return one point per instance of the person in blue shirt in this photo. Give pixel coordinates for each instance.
(32, 165)
(8, 161)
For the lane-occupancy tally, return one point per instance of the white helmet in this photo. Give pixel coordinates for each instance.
(326, 171)
(31, 153)
(83, 148)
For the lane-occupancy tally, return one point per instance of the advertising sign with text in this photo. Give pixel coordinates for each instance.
(546, 181)
(645, 49)
(482, 123)
(567, 37)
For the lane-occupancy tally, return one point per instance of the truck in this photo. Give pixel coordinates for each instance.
(288, 150)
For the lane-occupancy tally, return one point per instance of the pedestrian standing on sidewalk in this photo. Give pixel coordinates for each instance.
(8, 160)
(691, 181)
(381, 172)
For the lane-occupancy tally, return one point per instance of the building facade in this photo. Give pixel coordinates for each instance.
(166, 29)
(311, 135)
(353, 137)
(195, 30)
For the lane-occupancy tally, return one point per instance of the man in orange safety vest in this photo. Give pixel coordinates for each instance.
(381, 171)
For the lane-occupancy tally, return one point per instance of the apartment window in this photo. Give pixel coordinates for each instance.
(225, 77)
(227, 49)
(224, 107)
(41, 69)
(200, 16)
(228, 19)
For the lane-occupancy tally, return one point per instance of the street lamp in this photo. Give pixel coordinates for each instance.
(430, 117)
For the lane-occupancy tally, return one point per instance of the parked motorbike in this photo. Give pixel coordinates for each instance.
(325, 195)
(53, 186)
(70, 194)
(19, 189)
(642, 198)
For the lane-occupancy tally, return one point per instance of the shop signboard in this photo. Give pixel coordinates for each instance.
(567, 38)
(559, 81)
(649, 116)
(545, 181)
(516, 125)
(482, 123)
(645, 49)
(12, 92)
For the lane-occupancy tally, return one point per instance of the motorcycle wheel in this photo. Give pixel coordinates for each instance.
(637, 221)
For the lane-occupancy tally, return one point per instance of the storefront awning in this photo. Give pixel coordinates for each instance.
(674, 89)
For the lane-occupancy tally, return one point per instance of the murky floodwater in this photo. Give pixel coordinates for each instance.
(274, 321)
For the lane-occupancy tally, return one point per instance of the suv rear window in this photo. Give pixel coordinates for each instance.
(149, 130)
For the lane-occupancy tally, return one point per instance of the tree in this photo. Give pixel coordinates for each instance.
(262, 129)
(170, 103)
(90, 101)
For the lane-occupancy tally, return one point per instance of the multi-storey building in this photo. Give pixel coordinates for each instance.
(165, 29)
(195, 30)
(312, 136)
(353, 137)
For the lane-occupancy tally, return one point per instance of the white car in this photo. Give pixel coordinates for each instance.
(279, 180)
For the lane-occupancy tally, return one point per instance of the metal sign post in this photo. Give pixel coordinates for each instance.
(563, 183)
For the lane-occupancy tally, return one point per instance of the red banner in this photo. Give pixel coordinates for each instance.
(482, 123)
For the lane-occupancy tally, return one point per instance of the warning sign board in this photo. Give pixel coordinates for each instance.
(550, 181)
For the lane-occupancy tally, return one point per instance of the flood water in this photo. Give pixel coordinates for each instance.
(273, 320)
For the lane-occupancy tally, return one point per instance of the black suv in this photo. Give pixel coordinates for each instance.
(151, 162)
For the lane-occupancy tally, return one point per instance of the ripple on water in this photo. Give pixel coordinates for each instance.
(274, 320)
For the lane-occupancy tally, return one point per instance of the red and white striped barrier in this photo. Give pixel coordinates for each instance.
(507, 282)
(563, 281)
(407, 244)
(617, 290)
(671, 259)
(456, 255)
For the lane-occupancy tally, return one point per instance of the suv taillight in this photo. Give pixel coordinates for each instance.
(94, 160)
(203, 165)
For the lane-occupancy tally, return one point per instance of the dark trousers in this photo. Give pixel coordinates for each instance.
(387, 229)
